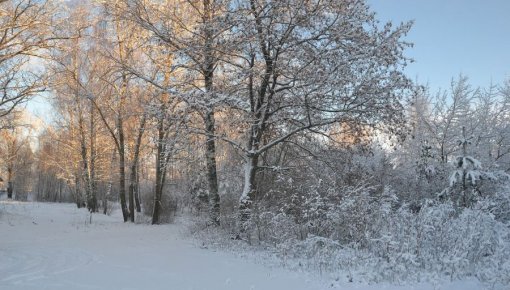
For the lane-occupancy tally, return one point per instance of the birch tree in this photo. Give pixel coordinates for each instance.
(27, 31)
(113, 105)
(196, 31)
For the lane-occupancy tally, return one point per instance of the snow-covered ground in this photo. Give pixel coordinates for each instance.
(56, 246)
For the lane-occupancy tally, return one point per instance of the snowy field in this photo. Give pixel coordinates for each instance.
(55, 246)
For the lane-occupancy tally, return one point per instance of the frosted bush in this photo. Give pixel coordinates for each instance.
(372, 240)
(365, 234)
(440, 241)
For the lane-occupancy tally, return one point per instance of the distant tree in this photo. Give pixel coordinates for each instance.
(16, 157)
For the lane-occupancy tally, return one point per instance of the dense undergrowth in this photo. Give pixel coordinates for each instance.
(367, 238)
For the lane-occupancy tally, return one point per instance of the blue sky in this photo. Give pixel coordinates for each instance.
(450, 37)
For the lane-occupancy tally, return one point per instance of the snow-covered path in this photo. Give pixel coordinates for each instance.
(54, 246)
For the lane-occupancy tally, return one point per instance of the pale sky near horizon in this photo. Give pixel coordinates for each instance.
(451, 37)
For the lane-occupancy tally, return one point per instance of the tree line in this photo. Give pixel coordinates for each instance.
(230, 106)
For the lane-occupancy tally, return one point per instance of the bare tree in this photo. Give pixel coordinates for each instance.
(195, 30)
(75, 73)
(306, 65)
(27, 31)
(450, 112)
(112, 102)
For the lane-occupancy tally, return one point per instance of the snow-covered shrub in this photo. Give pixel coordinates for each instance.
(273, 227)
(362, 233)
(356, 211)
(369, 237)
(495, 197)
(440, 241)
(499, 205)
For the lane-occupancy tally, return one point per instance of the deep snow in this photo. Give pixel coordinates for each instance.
(54, 246)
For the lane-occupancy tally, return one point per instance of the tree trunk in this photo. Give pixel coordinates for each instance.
(77, 197)
(105, 197)
(10, 186)
(10, 189)
(464, 171)
(40, 187)
(131, 204)
(60, 185)
(157, 197)
(212, 177)
(122, 186)
(93, 187)
(85, 164)
(137, 192)
(158, 194)
(131, 196)
(208, 72)
(250, 188)
(133, 176)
